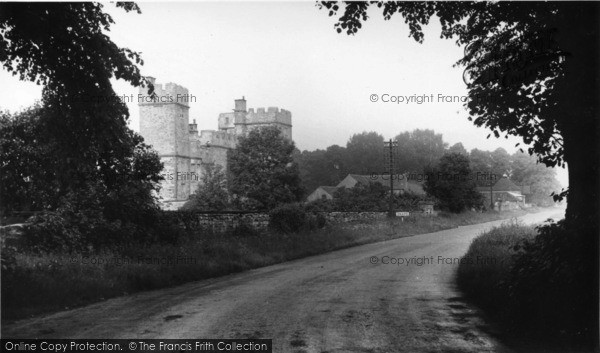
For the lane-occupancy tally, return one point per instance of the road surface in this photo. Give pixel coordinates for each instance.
(336, 302)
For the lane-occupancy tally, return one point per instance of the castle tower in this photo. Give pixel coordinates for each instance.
(164, 124)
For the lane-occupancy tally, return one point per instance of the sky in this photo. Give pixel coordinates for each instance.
(288, 55)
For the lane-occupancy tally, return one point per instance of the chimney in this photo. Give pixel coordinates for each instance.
(240, 105)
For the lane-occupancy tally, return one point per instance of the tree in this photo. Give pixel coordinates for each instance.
(491, 166)
(526, 170)
(365, 153)
(320, 167)
(98, 175)
(458, 148)
(419, 149)
(115, 203)
(65, 48)
(451, 184)
(262, 173)
(211, 194)
(530, 72)
(500, 162)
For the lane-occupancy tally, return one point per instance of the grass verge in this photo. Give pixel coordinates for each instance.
(536, 284)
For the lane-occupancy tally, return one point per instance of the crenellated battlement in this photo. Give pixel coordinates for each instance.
(269, 115)
(168, 93)
(213, 138)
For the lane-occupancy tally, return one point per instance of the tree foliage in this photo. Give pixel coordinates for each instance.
(458, 148)
(262, 173)
(212, 193)
(65, 48)
(451, 183)
(74, 156)
(419, 149)
(495, 163)
(364, 153)
(526, 170)
(103, 204)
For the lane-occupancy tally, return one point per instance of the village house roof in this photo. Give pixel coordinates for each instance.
(401, 182)
(329, 189)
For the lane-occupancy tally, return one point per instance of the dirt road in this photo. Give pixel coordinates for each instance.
(345, 301)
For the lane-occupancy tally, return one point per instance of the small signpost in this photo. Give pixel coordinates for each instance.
(402, 214)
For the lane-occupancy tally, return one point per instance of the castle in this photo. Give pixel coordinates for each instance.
(164, 124)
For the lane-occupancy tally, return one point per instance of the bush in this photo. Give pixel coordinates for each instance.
(553, 283)
(288, 218)
(293, 217)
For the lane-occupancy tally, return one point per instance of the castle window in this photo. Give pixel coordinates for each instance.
(226, 121)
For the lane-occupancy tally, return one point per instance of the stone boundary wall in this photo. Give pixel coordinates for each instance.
(343, 217)
(218, 221)
(224, 221)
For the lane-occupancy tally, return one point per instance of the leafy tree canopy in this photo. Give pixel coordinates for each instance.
(451, 184)
(212, 192)
(365, 153)
(65, 48)
(262, 172)
(419, 149)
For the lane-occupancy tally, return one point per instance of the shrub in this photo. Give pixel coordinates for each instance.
(288, 218)
(320, 206)
(553, 283)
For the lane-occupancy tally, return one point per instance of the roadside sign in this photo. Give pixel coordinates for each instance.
(401, 214)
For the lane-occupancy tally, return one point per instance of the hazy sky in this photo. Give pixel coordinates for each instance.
(289, 55)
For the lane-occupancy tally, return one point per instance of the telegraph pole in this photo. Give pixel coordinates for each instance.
(391, 144)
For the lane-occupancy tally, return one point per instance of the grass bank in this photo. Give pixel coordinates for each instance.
(484, 274)
(536, 284)
(38, 283)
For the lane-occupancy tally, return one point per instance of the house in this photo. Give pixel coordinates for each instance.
(426, 207)
(322, 193)
(505, 194)
(401, 184)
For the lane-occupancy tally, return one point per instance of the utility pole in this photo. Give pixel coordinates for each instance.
(391, 144)
(491, 183)
(491, 192)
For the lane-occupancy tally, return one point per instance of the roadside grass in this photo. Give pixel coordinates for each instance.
(536, 284)
(484, 275)
(39, 283)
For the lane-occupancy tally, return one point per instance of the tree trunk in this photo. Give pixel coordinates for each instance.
(577, 118)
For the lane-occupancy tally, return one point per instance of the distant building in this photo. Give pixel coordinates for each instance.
(427, 206)
(322, 193)
(505, 194)
(401, 184)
